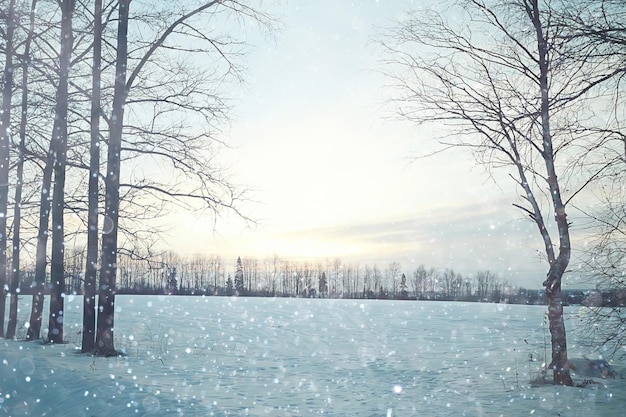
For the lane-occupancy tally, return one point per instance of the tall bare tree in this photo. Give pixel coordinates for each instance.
(182, 145)
(41, 259)
(5, 139)
(499, 81)
(89, 300)
(45, 192)
(19, 181)
(57, 269)
(106, 292)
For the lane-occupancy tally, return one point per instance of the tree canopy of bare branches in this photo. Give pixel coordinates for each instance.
(514, 83)
(159, 111)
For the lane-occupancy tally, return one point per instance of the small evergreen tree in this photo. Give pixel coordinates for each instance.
(239, 287)
(403, 288)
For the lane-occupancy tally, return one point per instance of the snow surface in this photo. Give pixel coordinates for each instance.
(218, 356)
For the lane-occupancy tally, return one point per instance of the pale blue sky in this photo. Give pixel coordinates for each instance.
(333, 175)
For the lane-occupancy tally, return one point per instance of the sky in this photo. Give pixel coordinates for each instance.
(334, 175)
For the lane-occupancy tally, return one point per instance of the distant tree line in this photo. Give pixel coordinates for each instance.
(277, 277)
(214, 275)
(329, 278)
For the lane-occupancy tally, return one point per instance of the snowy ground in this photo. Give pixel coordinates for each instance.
(217, 356)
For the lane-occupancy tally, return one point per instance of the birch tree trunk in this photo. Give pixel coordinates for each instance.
(559, 263)
(41, 262)
(89, 300)
(106, 293)
(57, 270)
(15, 261)
(5, 138)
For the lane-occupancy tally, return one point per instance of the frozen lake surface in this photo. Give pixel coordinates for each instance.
(218, 356)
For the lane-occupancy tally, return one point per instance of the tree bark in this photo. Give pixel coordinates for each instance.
(5, 133)
(559, 363)
(106, 292)
(57, 270)
(15, 261)
(36, 313)
(89, 300)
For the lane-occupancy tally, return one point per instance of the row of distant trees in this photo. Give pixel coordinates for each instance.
(278, 277)
(216, 275)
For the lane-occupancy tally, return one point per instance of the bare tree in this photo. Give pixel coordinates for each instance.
(106, 292)
(89, 300)
(392, 274)
(419, 281)
(19, 182)
(41, 258)
(450, 281)
(5, 137)
(504, 88)
(181, 144)
(484, 283)
(57, 271)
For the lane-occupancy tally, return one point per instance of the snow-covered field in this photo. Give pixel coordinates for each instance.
(217, 356)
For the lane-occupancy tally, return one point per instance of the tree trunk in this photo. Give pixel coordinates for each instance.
(36, 313)
(5, 129)
(57, 270)
(41, 262)
(89, 300)
(15, 264)
(559, 363)
(106, 292)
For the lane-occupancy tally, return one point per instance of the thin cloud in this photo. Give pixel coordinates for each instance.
(467, 238)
